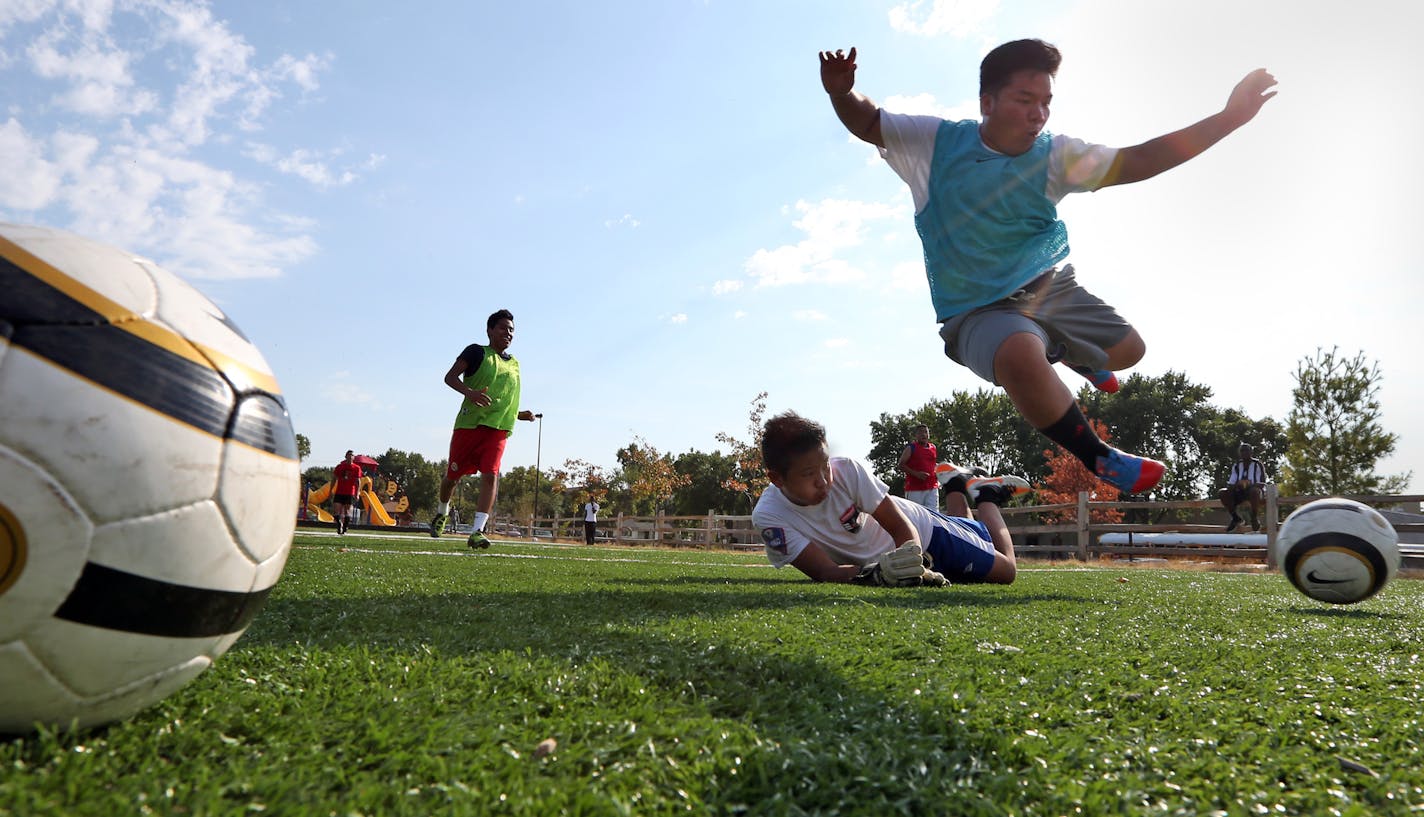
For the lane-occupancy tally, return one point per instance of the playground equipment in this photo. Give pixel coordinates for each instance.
(315, 500)
(376, 510)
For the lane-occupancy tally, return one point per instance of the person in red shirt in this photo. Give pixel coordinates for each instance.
(347, 476)
(917, 460)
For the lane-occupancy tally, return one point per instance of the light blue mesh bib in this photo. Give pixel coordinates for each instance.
(988, 228)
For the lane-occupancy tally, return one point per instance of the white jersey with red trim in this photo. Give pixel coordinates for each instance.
(841, 524)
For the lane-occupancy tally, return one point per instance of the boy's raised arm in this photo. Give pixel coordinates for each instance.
(859, 115)
(1166, 152)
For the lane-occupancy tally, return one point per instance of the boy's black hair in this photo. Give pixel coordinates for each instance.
(497, 317)
(787, 436)
(1011, 57)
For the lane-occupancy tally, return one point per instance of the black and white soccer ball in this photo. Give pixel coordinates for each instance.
(148, 481)
(1338, 550)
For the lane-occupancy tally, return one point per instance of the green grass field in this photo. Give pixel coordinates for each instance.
(409, 677)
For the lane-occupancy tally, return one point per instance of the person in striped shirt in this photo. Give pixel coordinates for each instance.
(1244, 485)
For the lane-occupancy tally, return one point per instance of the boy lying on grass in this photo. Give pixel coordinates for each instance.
(833, 520)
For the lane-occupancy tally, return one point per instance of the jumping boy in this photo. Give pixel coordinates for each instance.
(986, 195)
(833, 520)
(488, 377)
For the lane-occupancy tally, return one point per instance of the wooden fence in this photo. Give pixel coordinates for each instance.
(708, 530)
(1035, 536)
(1082, 538)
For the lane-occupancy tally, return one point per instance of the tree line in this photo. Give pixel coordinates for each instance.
(1329, 443)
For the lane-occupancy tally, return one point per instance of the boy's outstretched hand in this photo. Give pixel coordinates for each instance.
(838, 72)
(1246, 98)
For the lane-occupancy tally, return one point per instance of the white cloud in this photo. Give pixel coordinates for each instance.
(725, 287)
(830, 225)
(927, 105)
(20, 11)
(339, 388)
(677, 318)
(301, 71)
(132, 89)
(100, 81)
(908, 276)
(28, 181)
(309, 165)
(193, 212)
(931, 18)
(808, 315)
(626, 220)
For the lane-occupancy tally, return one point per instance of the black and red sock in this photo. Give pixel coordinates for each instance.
(1073, 432)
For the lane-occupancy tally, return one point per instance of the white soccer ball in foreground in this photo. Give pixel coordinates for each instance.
(148, 481)
(1338, 550)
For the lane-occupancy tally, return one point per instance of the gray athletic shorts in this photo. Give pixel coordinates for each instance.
(1074, 324)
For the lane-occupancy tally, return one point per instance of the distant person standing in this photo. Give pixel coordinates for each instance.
(487, 375)
(346, 479)
(917, 460)
(1245, 484)
(590, 520)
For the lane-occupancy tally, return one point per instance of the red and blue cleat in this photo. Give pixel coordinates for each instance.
(1102, 379)
(1131, 474)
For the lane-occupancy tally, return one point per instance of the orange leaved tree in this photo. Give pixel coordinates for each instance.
(1067, 476)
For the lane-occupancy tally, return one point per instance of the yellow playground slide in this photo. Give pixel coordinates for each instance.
(376, 511)
(314, 501)
(369, 500)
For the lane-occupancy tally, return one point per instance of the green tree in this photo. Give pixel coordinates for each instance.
(1333, 432)
(317, 476)
(303, 447)
(1167, 417)
(748, 476)
(652, 478)
(421, 480)
(516, 495)
(981, 428)
(706, 488)
(1223, 434)
(1163, 417)
(581, 477)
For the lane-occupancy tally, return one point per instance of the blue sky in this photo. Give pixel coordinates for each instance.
(659, 191)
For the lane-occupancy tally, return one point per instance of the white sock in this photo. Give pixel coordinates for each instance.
(480, 520)
(442, 508)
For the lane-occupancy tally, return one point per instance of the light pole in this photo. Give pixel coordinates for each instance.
(538, 452)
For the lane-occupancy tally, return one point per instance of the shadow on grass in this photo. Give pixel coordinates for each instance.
(814, 671)
(1345, 613)
(703, 645)
(555, 620)
(714, 581)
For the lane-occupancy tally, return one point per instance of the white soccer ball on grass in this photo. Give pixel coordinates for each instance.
(1338, 550)
(148, 481)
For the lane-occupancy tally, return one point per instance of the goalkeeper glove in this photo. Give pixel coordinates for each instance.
(902, 567)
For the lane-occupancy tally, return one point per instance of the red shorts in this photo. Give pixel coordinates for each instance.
(474, 450)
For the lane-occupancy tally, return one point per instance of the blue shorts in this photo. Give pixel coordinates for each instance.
(961, 549)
